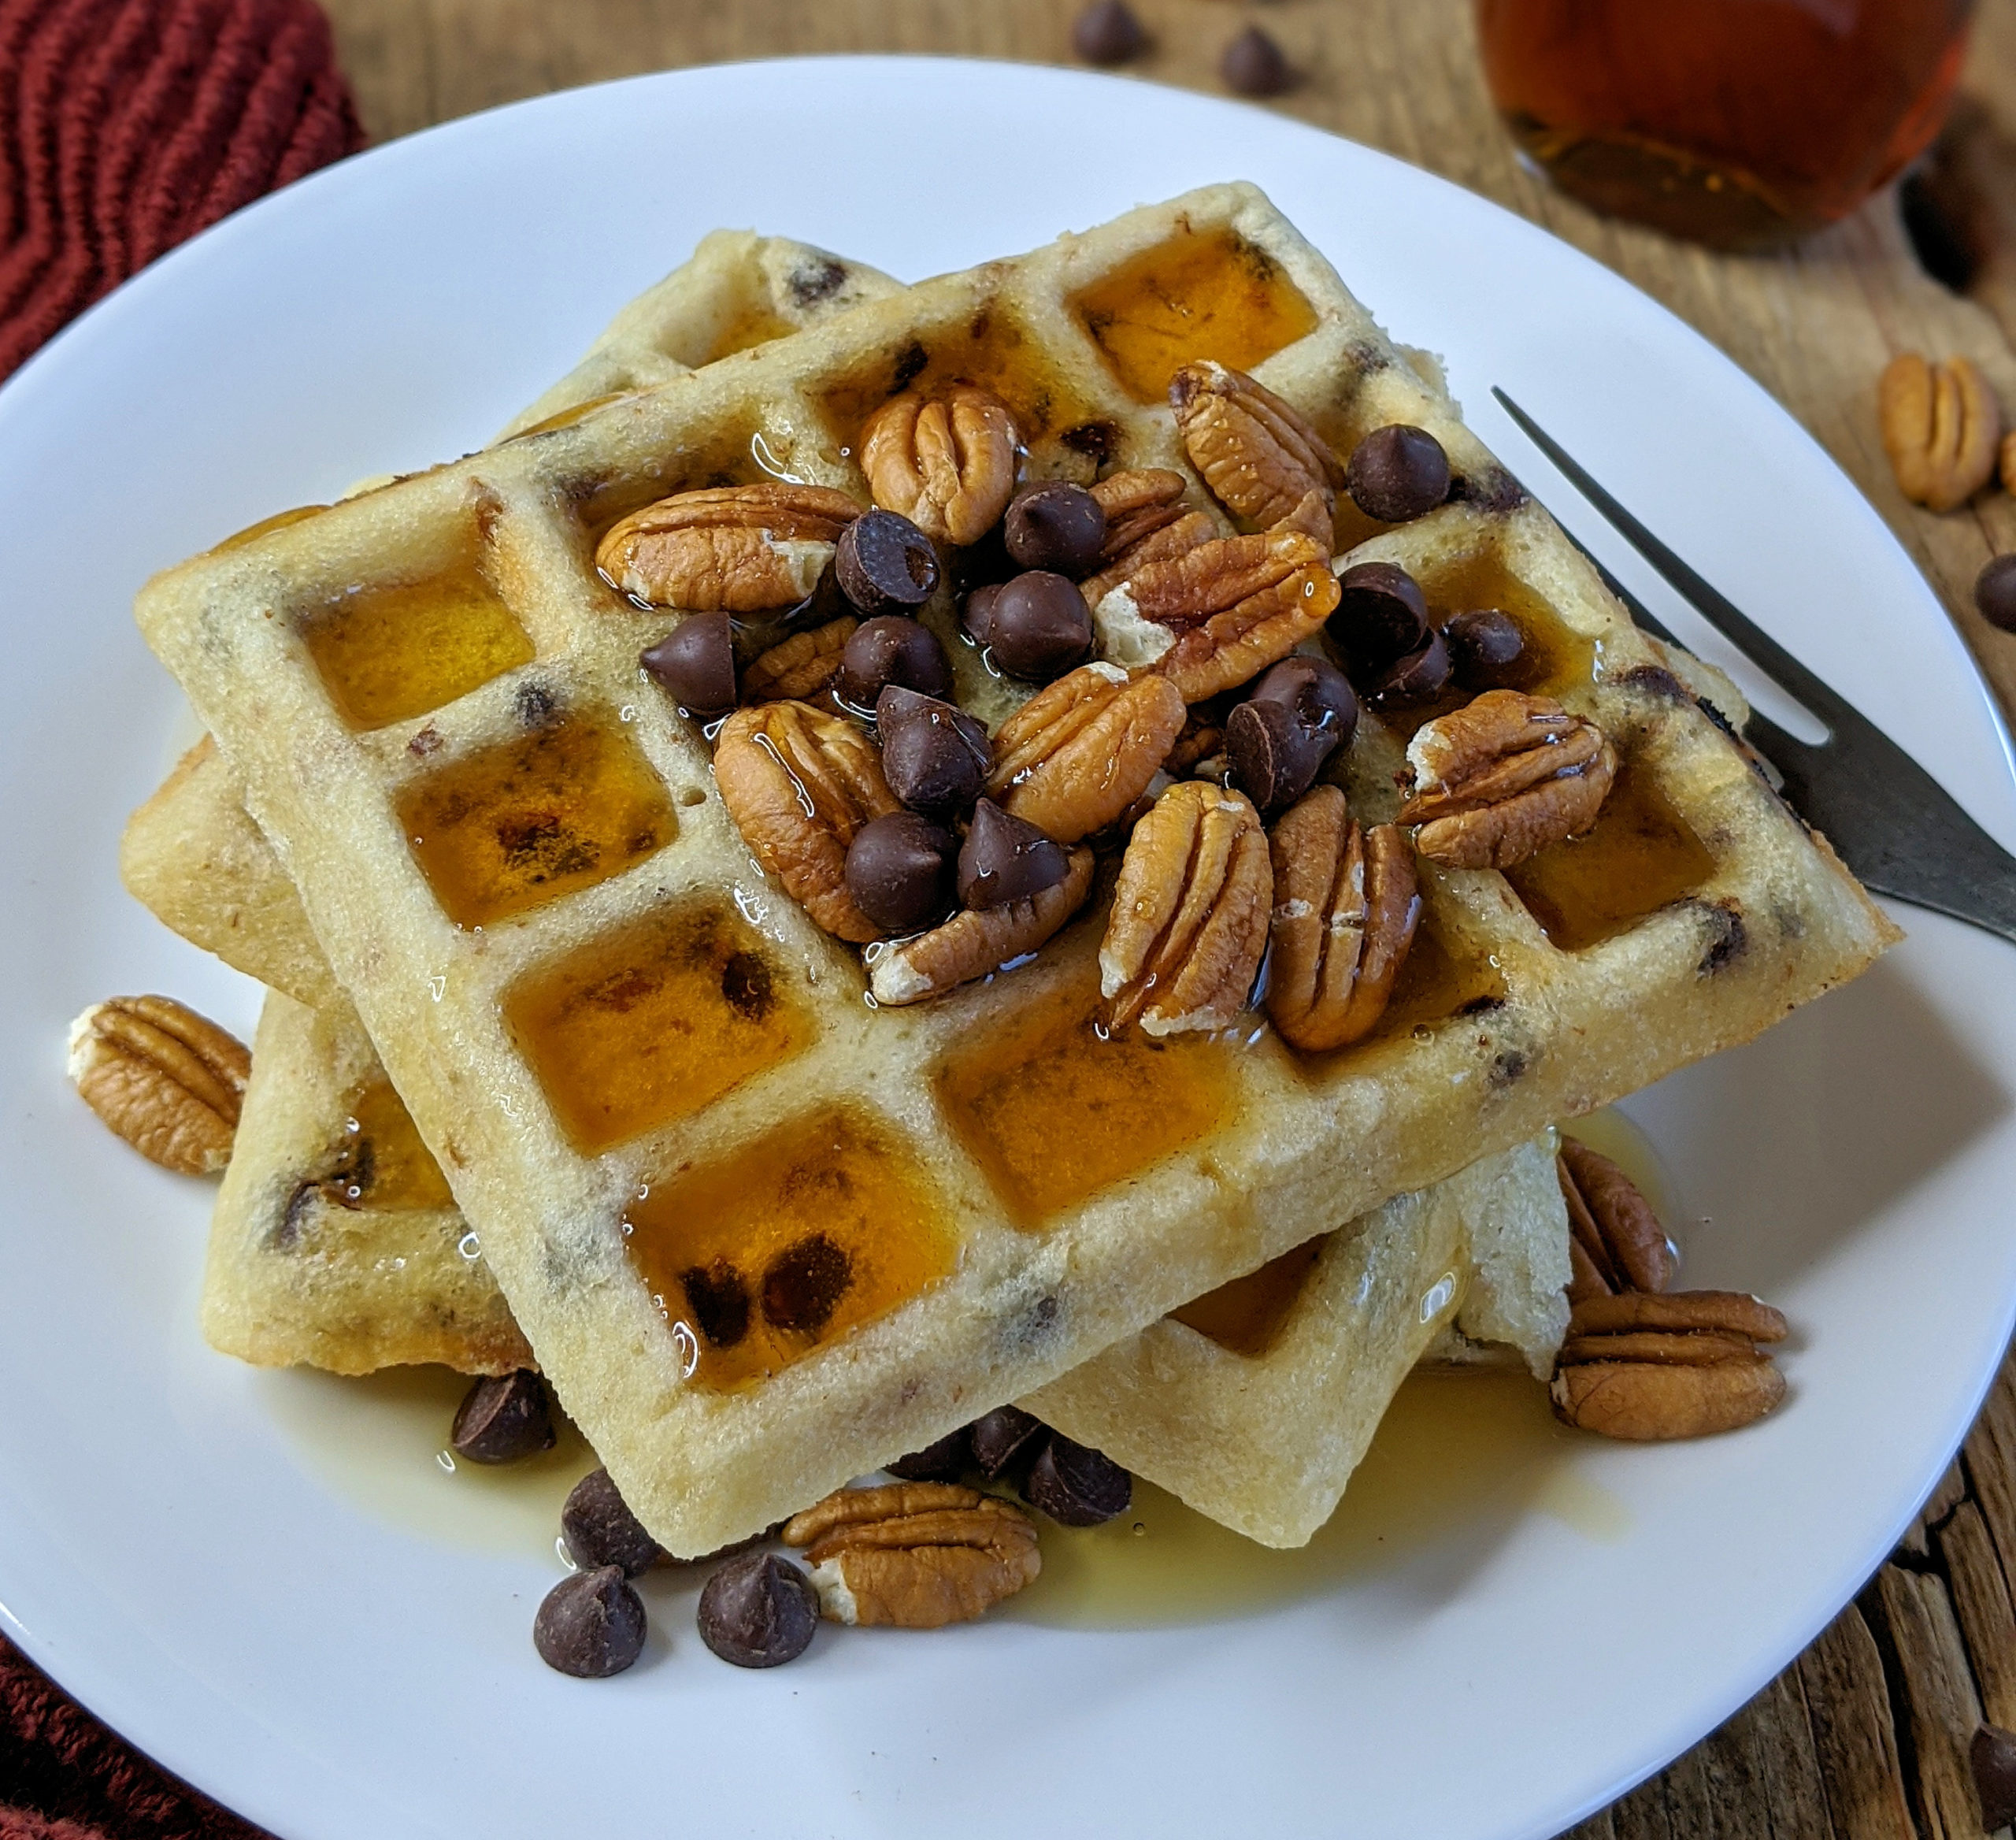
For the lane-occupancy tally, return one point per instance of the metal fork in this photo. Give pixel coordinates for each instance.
(1891, 823)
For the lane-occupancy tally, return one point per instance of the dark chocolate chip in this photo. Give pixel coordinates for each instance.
(890, 649)
(1076, 1487)
(1321, 694)
(1005, 859)
(1057, 526)
(986, 563)
(1407, 682)
(885, 564)
(976, 617)
(592, 1625)
(759, 1610)
(718, 1299)
(503, 1417)
(1485, 649)
(804, 1283)
(1995, 593)
(1396, 473)
(1381, 614)
(1993, 1755)
(1275, 754)
(934, 756)
(942, 1462)
(1107, 32)
(600, 1530)
(695, 662)
(1000, 1435)
(1037, 626)
(1253, 65)
(899, 871)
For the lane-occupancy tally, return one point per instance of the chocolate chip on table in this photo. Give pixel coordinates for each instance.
(1485, 649)
(1995, 593)
(1381, 614)
(600, 1530)
(1419, 677)
(934, 756)
(1036, 626)
(759, 1610)
(695, 662)
(891, 649)
(1107, 32)
(1005, 859)
(1000, 1436)
(1076, 1487)
(1057, 526)
(899, 872)
(942, 1462)
(1993, 1756)
(885, 564)
(504, 1417)
(590, 1625)
(1398, 473)
(1255, 65)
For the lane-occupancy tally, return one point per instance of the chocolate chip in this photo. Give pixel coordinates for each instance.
(1320, 693)
(1076, 1486)
(804, 1283)
(1253, 65)
(592, 1625)
(1005, 859)
(934, 756)
(503, 1417)
(1419, 677)
(899, 871)
(1037, 626)
(976, 617)
(1485, 649)
(890, 649)
(718, 1299)
(1275, 754)
(942, 1462)
(1397, 472)
(885, 564)
(695, 662)
(1993, 1755)
(1057, 526)
(600, 1530)
(1381, 614)
(1995, 593)
(1107, 32)
(1000, 1435)
(759, 1611)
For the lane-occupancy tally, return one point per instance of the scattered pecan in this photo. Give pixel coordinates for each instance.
(738, 549)
(798, 785)
(1258, 456)
(800, 667)
(1345, 910)
(978, 940)
(1615, 1241)
(168, 1081)
(1683, 1364)
(1082, 749)
(915, 1555)
(946, 463)
(1941, 425)
(1189, 921)
(1503, 777)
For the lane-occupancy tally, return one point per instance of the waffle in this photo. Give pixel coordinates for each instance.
(635, 1057)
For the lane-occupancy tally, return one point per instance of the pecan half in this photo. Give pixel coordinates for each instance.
(1345, 910)
(1184, 531)
(1082, 749)
(1682, 1364)
(1259, 456)
(946, 463)
(1188, 925)
(1941, 425)
(800, 667)
(978, 940)
(738, 549)
(1615, 1241)
(1503, 777)
(798, 785)
(915, 1555)
(168, 1081)
(1137, 503)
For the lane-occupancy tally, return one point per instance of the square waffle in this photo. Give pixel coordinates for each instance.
(640, 1064)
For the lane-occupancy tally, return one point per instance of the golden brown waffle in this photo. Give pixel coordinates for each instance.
(643, 1068)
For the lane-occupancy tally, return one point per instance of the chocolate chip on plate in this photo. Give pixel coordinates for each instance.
(1037, 626)
(899, 872)
(1381, 614)
(600, 1530)
(1107, 32)
(1419, 677)
(1485, 648)
(1993, 1756)
(942, 1462)
(1000, 1436)
(1300, 712)
(590, 1625)
(1255, 65)
(890, 649)
(503, 1417)
(934, 756)
(1076, 1486)
(695, 662)
(759, 1610)
(1057, 526)
(1397, 472)
(885, 564)
(1005, 859)
(1995, 593)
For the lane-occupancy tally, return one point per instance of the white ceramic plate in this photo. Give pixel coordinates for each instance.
(169, 1551)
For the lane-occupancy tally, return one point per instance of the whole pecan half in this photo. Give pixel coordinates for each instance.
(1615, 1241)
(801, 667)
(798, 785)
(978, 940)
(915, 1555)
(1188, 926)
(1258, 454)
(1345, 910)
(1941, 426)
(737, 549)
(947, 463)
(1082, 749)
(1503, 777)
(1681, 1364)
(171, 1082)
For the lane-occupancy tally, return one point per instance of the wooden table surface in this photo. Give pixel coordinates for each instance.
(1866, 1737)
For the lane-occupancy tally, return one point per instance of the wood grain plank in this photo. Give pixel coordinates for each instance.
(1981, 1606)
(1939, 1689)
(1847, 1704)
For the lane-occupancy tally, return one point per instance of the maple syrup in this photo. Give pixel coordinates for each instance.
(1435, 983)
(815, 1228)
(527, 820)
(1202, 294)
(652, 1021)
(728, 457)
(380, 1162)
(568, 416)
(1247, 1315)
(252, 533)
(1555, 661)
